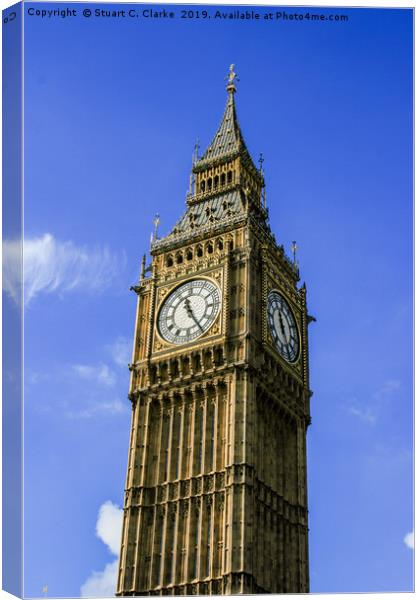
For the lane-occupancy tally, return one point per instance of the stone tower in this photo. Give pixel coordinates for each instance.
(216, 490)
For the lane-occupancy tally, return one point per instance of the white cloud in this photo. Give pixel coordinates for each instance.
(108, 526)
(108, 529)
(51, 266)
(121, 350)
(101, 373)
(409, 540)
(101, 584)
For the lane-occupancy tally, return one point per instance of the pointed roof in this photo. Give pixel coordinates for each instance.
(228, 139)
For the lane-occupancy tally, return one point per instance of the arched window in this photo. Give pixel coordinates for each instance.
(202, 185)
(223, 179)
(199, 251)
(189, 254)
(220, 244)
(179, 258)
(169, 261)
(210, 248)
(216, 181)
(229, 177)
(209, 183)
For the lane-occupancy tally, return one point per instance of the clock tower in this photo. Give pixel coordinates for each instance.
(216, 489)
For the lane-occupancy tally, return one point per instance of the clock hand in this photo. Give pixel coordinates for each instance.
(190, 313)
(281, 324)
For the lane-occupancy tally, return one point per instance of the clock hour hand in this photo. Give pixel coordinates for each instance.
(281, 324)
(191, 314)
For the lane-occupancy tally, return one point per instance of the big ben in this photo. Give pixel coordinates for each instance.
(216, 488)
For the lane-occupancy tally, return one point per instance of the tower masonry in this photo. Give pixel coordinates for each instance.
(216, 488)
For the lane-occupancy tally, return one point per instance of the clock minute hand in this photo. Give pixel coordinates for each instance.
(191, 314)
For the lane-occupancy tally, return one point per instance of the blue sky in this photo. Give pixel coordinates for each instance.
(112, 111)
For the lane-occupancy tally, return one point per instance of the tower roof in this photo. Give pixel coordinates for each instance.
(228, 139)
(225, 185)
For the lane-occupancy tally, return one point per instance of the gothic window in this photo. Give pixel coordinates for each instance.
(164, 372)
(185, 366)
(208, 545)
(211, 448)
(197, 362)
(199, 439)
(210, 248)
(220, 244)
(223, 179)
(200, 251)
(169, 261)
(179, 258)
(189, 254)
(209, 183)
(216, 181)
(202, 185)
(174, 368)
(229, 177)
(196, 547)
(207, 360)
(153, 374)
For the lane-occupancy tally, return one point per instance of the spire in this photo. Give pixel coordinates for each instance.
(226, 186)
(228, 139)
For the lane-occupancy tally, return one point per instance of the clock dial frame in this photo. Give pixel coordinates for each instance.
(189, 311)
(283, 327)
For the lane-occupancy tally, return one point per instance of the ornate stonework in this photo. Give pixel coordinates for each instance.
(216, 499)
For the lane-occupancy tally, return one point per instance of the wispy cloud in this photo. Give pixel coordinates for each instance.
(100, 374)
(409, 540)
(388, 388)
(87, 390)
(108, 529)
(370, 410)
(120, 351)
(53, 266)
(365, 414)
(97, 408)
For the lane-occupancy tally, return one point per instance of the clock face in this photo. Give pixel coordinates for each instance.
(189, 311)
(282, 325)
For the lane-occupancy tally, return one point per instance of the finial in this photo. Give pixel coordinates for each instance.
(45, 590)
(143, 267)
(294, 250)
(232, 77)
(196, 149)
(153, 235)
(156, 222)
(261, 161)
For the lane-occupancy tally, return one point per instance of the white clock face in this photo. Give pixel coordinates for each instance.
(189, 311)
(283, 326)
